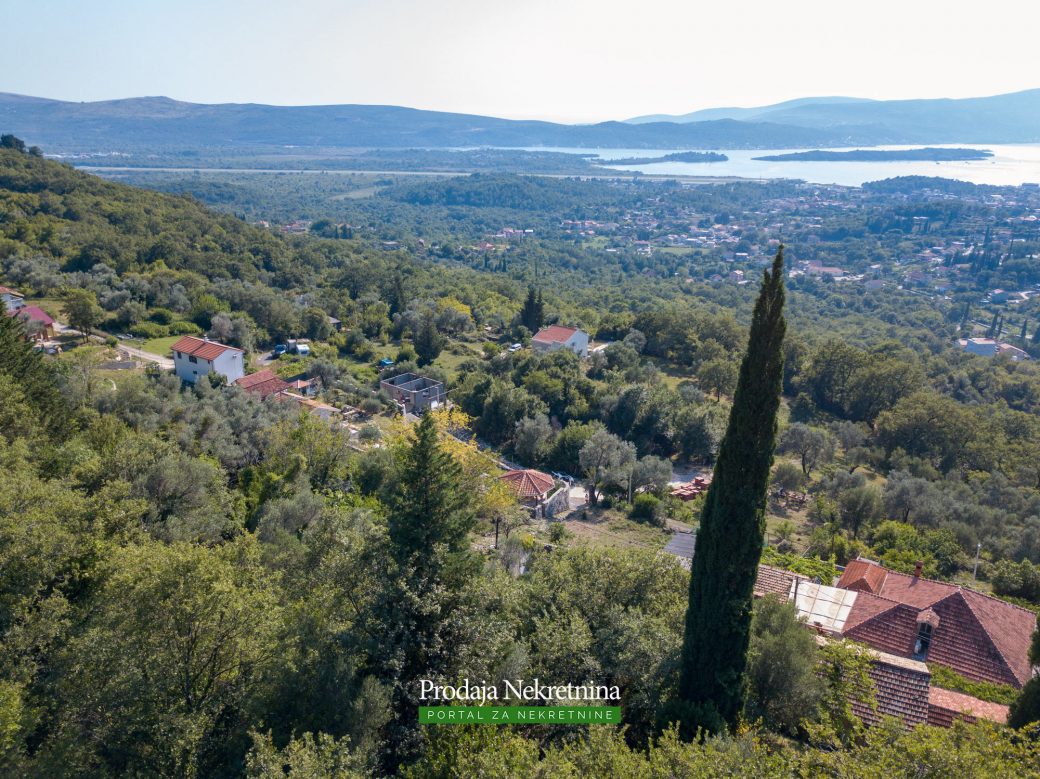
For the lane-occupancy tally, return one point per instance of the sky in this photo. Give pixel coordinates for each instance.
(561, 60)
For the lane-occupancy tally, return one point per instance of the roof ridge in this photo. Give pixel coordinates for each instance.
(957, 587)
(894, 605)
(985, 631)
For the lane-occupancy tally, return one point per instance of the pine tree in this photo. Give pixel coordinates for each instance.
(35, 377)
(712, 683)
(416, 631)
(431, 516)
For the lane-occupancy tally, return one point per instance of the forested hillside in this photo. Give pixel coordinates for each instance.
(194, 582)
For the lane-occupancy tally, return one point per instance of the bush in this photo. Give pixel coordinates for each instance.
(1019, 580)
(162, 316)
(149, 330)
(558, 532)
(788, 476)
(371, 406)
(369, 433)
(184, 328)
(647, 508)
(813, 567)
(949, 679)
(111, 341)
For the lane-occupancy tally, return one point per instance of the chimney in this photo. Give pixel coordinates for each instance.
(917, 569)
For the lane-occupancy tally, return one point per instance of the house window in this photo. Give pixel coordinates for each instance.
(192, 358)
(924, 640)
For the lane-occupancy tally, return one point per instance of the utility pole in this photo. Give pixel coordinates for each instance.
(975, 571)
(497, 520)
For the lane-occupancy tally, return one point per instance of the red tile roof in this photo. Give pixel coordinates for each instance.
(201, 348)
(529, 483)
(262, 383)
(863, 576)
(32, 314)
(900, 690)
(556, 334)
(979, 636)
(775, 580)
(944, 706)
(9, 291)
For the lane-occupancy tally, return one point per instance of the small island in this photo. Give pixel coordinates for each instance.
(679, 156)
(926, 154)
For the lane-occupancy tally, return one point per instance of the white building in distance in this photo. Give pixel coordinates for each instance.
(549, 339)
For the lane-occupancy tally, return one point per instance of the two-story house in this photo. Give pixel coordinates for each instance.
(195, 358)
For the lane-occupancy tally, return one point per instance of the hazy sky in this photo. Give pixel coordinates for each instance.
(566, 60)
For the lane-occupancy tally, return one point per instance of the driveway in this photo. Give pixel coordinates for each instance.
(165, 363)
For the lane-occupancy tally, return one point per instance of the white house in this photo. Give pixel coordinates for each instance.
(12, 299)
(986, 347)
(549, 339)
(194, 358)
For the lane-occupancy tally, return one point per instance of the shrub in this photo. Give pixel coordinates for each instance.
(162, 316)
(149, 330)
(647, 508)
(369, 433)
(371, 406)
(949, 679)
(558, 532)
(184, 328)
(814, 567)
(1020, 580)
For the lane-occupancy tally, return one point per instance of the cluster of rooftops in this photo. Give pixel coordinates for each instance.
(907, 621)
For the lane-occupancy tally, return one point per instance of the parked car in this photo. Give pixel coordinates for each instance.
(279, 350)
(515, 348)
(386, 362)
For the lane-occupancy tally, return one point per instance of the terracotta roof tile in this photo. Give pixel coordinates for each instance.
(771, 580)
(528, 483)
(31, 314)
(979, 636)
(554, 334)
(862, 575)
(262, 383)
(900, 691)
(201, 348)
(944, 706)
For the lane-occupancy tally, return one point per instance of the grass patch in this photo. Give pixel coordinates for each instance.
(611, 528)
(160, 346)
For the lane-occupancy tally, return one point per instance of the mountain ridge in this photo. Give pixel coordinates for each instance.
(163, 123)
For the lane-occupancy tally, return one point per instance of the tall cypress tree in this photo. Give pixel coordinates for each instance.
(531, 315)
(729, 542)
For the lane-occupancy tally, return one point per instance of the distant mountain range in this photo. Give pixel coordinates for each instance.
(163, 125)
(1010, 118)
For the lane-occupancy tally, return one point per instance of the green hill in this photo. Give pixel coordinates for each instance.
(83, 221)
